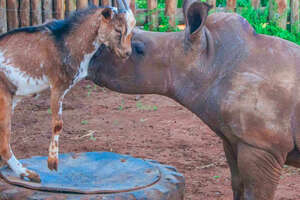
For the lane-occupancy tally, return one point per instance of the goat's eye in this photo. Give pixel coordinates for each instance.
(119, 37)
(118, 31)
(119, 34)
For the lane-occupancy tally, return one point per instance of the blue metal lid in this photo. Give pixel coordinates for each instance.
(89, 173)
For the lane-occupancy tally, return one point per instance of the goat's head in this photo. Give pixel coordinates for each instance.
(116, 28)
(157, 58)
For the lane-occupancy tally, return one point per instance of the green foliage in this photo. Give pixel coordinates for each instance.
(141, 106)
(84, 122)
(161, 3)
(220, 3)
(257, 18)
(260, 21)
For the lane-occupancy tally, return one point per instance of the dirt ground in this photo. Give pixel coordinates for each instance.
(148, 126)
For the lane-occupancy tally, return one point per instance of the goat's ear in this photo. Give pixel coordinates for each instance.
(107, 13)
(195, 14)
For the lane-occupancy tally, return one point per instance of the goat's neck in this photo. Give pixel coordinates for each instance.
(81, 44)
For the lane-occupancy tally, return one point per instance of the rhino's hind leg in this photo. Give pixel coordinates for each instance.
(5, 132)
(260, 172)
(236, 181)
(293, 158)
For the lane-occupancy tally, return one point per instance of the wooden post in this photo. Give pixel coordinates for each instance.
(94, 2)
(255, 4)
(80, 4)
(132, 6)
(170, 11)
(47, 10)
(24, 13)
(70, 6)
(212, 3)
(231, 5)
(295, 21)
(3, 20)
(278, 12)
(152, 18)
(12, 14)
(105, 2)
(36, 15)
(58, 9)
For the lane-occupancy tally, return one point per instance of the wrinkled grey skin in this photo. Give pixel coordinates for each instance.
(243, 85)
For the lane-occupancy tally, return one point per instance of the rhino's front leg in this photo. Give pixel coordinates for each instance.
(236, 181)
(260, 172)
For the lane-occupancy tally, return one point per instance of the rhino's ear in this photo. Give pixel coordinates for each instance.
(195, 13)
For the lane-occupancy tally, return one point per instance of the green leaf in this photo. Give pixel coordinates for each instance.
(84, 122)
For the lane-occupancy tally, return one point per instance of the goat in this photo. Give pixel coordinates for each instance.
(55, 55)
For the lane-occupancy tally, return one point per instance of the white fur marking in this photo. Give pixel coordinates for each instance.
(54, 149)
(60, 106)
(16, 166)
(26, 85)
(15, 101)
(82, 71)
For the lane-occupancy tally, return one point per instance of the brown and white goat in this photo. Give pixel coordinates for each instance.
(55, 55)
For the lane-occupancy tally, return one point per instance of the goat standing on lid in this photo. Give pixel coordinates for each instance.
(55, 55)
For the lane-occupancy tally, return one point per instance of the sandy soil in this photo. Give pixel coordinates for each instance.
(149, 126)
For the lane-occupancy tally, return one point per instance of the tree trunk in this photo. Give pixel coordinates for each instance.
(94, 2)
(3, 19)
(295, 21)
(212, 3)
(36, 15)
(58, 9)
(152, 19)
(47, 10)
(171, 6)
(132, 6)
(12, 14)
(70, 6)
(231, 5)
(255, 4)
(105, 2)
(24, 13)
(278, 12)
(82, 4)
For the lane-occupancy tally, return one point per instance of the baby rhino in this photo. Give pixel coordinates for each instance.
(55, 55)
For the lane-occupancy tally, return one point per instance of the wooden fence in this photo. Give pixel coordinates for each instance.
(19, 13)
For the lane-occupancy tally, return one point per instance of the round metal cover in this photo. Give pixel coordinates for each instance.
(89, 173)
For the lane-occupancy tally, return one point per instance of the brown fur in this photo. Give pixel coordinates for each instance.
(56, 50)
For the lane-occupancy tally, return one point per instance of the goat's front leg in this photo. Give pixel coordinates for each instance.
(57, 125)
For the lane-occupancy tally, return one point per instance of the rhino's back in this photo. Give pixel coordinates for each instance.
(259, 85)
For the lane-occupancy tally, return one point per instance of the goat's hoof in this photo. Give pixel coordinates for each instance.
(32, 176)
(53, 163)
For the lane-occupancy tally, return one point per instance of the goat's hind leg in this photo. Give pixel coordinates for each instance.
(5, 132)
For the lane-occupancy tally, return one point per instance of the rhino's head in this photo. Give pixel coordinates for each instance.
(156, 57)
